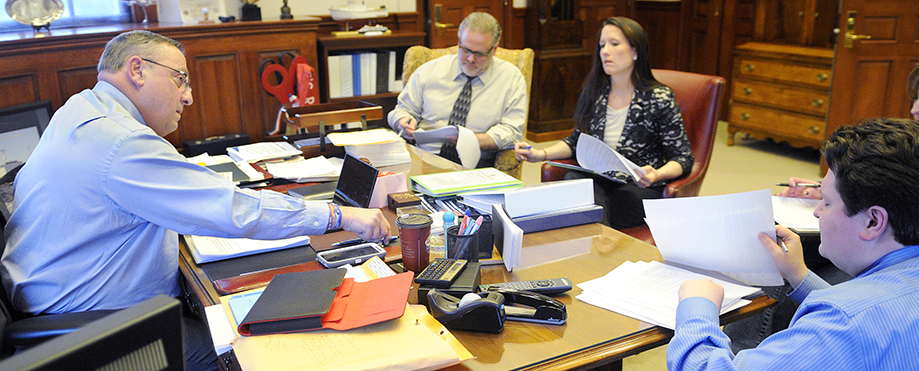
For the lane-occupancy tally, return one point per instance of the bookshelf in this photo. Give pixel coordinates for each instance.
(398, 41)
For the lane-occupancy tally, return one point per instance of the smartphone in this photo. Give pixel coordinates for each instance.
(350, 255)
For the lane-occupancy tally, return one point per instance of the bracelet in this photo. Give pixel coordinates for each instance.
(328, 226)
(545, 155)
(337, 211)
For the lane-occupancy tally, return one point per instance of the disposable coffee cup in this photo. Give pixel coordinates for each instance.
(462, 246)
(414, 230)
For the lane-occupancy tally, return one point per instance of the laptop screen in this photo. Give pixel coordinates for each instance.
(355, 184)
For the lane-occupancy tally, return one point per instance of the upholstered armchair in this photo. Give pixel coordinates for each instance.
(699, 97)
(415, 56)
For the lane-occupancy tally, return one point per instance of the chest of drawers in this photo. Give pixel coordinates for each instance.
(780, 92)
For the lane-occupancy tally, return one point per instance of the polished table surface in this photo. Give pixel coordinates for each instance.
(591, 337)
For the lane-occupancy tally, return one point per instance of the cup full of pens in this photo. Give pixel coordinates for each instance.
(463, 239)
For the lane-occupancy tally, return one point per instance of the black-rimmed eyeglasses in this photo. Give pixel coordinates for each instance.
(474, 53)
(183, 76)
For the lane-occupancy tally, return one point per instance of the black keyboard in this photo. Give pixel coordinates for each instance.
(441, 272)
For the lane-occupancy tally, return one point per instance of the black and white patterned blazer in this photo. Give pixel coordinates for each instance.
(653, 132)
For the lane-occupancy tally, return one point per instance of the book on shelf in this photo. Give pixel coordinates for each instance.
(454, 182)
(334, 73)
(346, 73)
(356, 74)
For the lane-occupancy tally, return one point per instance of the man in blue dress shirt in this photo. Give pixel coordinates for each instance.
(100, 203)
(869, 228)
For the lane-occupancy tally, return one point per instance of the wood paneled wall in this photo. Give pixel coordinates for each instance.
(223, 63)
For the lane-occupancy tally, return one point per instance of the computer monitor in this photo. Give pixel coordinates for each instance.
(147, 336)
(20, 128)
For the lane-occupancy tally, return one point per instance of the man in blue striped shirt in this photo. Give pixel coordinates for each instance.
(869, 228)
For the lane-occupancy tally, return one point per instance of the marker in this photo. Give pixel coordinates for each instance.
(475, 226)
(810, 185)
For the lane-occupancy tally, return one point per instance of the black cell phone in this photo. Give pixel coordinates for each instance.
(350, 255)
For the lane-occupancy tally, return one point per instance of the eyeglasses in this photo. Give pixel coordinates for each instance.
(475, 54)
(183, 76)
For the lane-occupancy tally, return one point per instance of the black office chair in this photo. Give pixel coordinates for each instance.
(19, 331)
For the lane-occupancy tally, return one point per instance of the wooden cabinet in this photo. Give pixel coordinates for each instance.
(223, 64)
(780, 92)
(398, 41)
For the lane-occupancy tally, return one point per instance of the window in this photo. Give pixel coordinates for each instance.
(78, 13)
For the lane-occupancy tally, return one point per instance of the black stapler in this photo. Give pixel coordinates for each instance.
(486, 311)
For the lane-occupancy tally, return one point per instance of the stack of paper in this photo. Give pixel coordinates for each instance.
(717, 233)
(316, 169)
(649, 292)
(207, 249)
(454, 182)
(382, 147)
(238, 172)
(256, 152)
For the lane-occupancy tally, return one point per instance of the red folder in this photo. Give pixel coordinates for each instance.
(304, 301)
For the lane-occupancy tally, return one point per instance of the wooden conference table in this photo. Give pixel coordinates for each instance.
(591, 337)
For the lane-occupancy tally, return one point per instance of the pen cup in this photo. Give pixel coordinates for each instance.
(462, 246)
(414, 229)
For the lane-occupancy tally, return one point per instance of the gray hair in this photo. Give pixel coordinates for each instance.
(131, 43)
(482, 23)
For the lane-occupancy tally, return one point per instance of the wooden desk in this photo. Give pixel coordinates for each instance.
(591, 337)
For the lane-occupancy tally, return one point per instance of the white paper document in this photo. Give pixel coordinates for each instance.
(207, 249)
(361, 137)
(796, 213)
(300, 170)
(648, 291)
(509, 238)
(256, 152)
(717, 233)
(594, 154)
(438, 135)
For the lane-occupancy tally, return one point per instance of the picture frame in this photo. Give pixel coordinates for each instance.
(20, 128)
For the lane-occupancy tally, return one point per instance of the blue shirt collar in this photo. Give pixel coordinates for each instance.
(105, 88)
(891, 259)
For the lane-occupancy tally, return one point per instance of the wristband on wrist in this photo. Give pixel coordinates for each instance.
(545, 155)
(337, 211)
(329, 225)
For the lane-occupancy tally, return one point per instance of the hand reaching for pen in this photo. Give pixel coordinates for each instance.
(407, 126)
(801, 191)
(368, 224)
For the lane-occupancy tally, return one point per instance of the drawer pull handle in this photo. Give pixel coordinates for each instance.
(747, 91)
(749, 68)
(822, 77)
(813, 130)
(744, 116)
(817, 102)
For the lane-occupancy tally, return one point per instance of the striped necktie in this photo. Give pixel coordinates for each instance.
(458, 118)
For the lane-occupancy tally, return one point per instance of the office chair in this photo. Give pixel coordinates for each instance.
(699, 97)
(19, 331)
(506, 160)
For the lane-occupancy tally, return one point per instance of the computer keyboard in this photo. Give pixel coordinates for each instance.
(441, 272)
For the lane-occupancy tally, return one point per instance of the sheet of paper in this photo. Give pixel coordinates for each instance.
(206, 249)
(648, 291)
(512, 238)
(467, 146)
(796, 213)
(596, 155)
(717, 233)
(435, 135)
(221, 333)
(361, 137)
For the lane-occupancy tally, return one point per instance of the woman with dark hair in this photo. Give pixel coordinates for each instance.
(623, 105)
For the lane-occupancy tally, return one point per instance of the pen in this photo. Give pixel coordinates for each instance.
(782, 243)
(811, 185)
(355, 241)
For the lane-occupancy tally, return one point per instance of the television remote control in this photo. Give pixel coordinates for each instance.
(546, 287)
